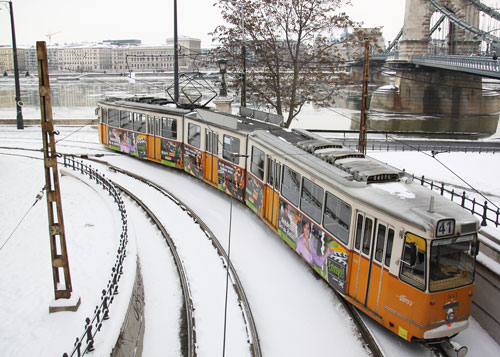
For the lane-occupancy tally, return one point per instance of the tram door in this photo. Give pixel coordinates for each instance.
(382, 245)
(370, 245)
(360, 271)
(153, 140)
(271, 191)
(211, 159)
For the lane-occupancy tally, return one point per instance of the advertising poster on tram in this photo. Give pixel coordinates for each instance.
(337, 266)
(171, 153)
(324, 254)
(193, 162)
(122, 141)
(255, 195)
(230, 179)
(142, 145)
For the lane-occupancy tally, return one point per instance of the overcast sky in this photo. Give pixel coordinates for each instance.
(150, 21)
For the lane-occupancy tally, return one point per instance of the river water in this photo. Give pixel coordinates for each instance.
(77, 97)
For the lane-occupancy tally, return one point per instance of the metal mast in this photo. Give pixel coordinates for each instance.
(364, 100)
(176, 57)
(60, 263)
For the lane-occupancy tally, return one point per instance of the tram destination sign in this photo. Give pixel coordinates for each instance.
(445, 227)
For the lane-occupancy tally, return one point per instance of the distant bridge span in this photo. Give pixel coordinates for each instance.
(440, 57)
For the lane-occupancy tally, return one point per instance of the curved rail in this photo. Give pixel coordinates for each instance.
(363, 330)
(238, 286)
(188, 301)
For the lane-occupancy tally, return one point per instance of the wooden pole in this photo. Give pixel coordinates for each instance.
(364, 101)
(60, 263)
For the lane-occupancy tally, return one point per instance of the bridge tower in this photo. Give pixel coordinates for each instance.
(416, 28)
(425, 90)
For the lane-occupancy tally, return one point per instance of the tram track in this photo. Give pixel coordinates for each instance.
(253, 338)
(439, 352)
(188, 339)
(188, 329)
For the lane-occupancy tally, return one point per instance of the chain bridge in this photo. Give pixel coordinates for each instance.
(441, 58)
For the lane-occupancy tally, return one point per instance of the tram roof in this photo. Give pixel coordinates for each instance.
(230, 121)
(403, 199)
(152, 107)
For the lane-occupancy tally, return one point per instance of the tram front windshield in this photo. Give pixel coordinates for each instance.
(452, 262)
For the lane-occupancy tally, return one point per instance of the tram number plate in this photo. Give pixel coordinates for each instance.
(445, 227)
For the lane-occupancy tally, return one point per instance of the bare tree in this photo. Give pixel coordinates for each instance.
(295, 50)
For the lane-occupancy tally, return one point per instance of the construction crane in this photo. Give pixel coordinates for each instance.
(49, 35)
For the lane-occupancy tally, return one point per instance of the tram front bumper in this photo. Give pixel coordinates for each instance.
(446, 330)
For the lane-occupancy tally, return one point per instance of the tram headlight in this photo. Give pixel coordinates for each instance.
(450, 316)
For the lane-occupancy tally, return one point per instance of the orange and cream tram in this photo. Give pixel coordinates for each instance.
(396, 250)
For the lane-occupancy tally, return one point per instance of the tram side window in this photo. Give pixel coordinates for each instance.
(104, 116)
(367, 236)
(257, 164)
(273, 173)
(380, 243)
(194, 135)
(290, 185)
(231, 149)
(414, 261)
(212, 142)
(169, 128)
(311, 199)
(388, 250)
(151, 125)
(337, 218)
(125, 120)
(140, 122)
(114, 117)
(359, 231)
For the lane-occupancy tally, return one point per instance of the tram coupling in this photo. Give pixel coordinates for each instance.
(452, 348)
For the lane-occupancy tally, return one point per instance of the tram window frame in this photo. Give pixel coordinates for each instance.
(194, 135)
(311, 199)
(231, 148)
(258, 162)
(337, 217)
(168, 128)
(409, 273)
(290, 185)
(126, 120)
(139, 122)
(212, 142)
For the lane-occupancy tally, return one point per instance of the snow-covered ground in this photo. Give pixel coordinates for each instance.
(296, 314)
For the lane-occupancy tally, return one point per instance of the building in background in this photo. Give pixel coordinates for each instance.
(7, 59)
(122, 56)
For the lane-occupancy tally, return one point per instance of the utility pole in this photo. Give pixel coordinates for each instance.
(19, 103)
(59, 253)
(176, 57)
(364, 100)
(243, 61)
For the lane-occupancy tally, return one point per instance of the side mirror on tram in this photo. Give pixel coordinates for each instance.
(474, 249)
(410, 254)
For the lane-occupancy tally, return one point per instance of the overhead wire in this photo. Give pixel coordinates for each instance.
(432, 155)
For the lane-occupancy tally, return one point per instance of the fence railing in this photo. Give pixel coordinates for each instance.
(475, 207)
(472, 64)
(85, 342)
